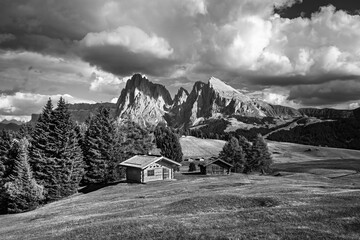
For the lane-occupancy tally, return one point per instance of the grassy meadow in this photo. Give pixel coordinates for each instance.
(314, 195)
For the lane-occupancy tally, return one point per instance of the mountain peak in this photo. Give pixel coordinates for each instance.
(143, 101)
(217, 84)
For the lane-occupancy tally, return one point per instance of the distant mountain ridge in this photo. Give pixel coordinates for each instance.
(146, 102)
(81, 111)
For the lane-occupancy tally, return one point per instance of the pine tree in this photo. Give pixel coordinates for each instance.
(40, 140)
(233, 154)
(5, 162)
(260, 159)
(64, 153)
(55, 153)
(98, 148)
(20, 192)
(169, 143)
(245, 145)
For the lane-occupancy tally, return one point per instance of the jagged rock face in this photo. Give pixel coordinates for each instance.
(326, 113)
(181, 97)
(216, 99)
(143, 102)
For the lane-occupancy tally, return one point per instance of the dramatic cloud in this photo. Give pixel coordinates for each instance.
(327, 93)
(126, 50)
(86, 47)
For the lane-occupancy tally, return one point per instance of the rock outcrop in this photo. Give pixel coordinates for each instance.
(143, 102)
(215, 99)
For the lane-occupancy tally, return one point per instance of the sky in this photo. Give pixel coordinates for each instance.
(289, 52)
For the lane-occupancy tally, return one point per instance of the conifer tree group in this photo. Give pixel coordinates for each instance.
(260, 158)
(247, 157)
(55, 152)
(98, 148)
(233, 153)
(169, 143)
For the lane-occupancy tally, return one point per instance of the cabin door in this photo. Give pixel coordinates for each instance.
(165, 173)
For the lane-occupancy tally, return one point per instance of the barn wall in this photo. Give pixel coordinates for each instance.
(158, 172)
(217, 169)
(133, 174)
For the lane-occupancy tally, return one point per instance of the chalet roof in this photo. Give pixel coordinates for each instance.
(143, 161)
(213, 160)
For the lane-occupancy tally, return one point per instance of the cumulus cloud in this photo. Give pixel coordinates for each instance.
(126, 50)
(241, 42)
(133, 39)
(107, 83)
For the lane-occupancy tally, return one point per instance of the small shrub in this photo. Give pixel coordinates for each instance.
(192, 167)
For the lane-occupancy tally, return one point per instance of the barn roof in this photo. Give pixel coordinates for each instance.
(143, 161)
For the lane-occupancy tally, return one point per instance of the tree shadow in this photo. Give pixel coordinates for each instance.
(192, 173)
(97, 186)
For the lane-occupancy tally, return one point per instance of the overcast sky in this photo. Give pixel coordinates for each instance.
(295, 53)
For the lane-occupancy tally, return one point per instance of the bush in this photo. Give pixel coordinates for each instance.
(192, 167)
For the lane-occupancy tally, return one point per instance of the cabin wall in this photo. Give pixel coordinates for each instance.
(157, 172)
(133, 174)
(217, 169)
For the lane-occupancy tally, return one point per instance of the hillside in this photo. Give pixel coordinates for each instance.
(311, 200)
(196, 147)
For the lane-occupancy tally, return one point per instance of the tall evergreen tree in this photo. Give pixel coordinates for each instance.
(132, 139)
(56, 156)
(5, 162)
(20, 192)
(98, 148)
(65, 153)
(169, 143)
(233, 154)
(260, 159)
(245, 145)
(39, 147)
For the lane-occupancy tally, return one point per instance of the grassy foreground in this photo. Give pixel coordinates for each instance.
(309, 199)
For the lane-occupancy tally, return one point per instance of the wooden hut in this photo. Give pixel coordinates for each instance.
(147, 168)
(215, 167)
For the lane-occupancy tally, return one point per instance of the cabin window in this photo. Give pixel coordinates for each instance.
(151, 172)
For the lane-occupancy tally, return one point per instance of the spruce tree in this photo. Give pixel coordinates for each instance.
(260, 159)
(55, 153)
(169, 143)
(20, 192)
(5, 162)
(233, 154)
(98, 148)
(39, 148)
(64, 153)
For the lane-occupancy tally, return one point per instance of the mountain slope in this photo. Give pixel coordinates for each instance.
(143, 101)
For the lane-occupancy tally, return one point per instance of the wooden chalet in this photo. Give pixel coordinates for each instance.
(215, 166)
(147, 168)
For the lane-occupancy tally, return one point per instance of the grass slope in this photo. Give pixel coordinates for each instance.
(196, 147)
(302, 203)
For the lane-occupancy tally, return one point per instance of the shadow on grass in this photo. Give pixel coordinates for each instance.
(339, 164)
(192, 173)
(96, 186)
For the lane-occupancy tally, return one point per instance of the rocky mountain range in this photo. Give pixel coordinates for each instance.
(150, 103)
